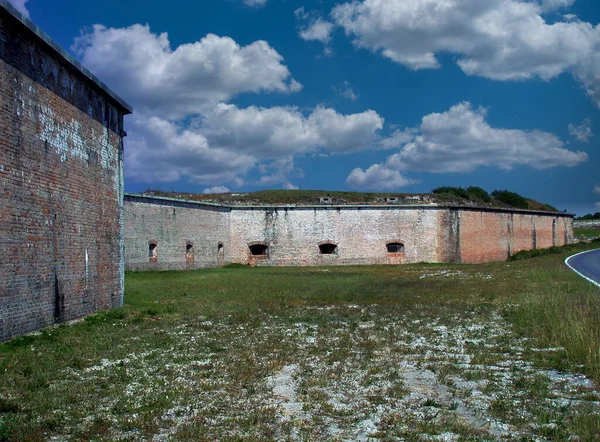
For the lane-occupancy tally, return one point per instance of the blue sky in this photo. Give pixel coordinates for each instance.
(394, 95)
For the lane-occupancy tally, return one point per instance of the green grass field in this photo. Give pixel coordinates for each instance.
(499, 351)
(586, 233)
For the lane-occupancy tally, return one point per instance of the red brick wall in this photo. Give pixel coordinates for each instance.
(494, 235)
(61, 188)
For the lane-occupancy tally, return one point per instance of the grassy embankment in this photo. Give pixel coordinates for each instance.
(319, 354)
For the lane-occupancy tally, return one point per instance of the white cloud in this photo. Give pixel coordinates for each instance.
(227, 142)
(497, 39)
(279, 131)
(583, 132)
(21, 6)
(183, 128)
(597, 205)
(597, 189)
(346, 91)
(142, 67)
(345, 133)
(290, 186)
(215, 189)
(461, 140)
(377, 177)
(261, 3)
(552, 5)
(161, 151)
(300, 13)
(397, 139)
(317, 30)
(278, 172)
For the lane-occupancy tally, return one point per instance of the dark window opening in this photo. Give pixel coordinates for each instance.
(189, 252)
(258, 250)
(328, 249)
(395, 247)
(151, 250)
(220, 253)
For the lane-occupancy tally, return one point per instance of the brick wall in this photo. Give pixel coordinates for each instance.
(293, 235)
(173, 227)
(61, 183)
(495, 235)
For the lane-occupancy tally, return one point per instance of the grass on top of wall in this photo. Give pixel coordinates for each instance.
(317, 352)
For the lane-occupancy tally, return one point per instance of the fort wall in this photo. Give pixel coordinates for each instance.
(168, 235)
(496, 235)
(330, 235)
(587, 224)
(61, 178)
(360, 235)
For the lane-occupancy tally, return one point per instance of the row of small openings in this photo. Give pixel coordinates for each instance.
(324, 249)
(189, 250)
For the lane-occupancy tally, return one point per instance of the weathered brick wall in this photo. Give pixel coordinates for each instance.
(361, 234)
(495, 235)
(61, 183)
(294, 234)
(172, 226)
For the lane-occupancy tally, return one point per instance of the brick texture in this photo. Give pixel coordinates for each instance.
(61, 180)
(494, 236)
(293, 234)
(172, 226)
(361, 234)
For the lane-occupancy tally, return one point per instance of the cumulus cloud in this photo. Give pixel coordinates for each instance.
(158, 150)
(142, 67)
(226, 142)
(582, 132)
(183, 127)
(461, 140)
(397, 139)
(317, 30)
(496, 39)
(281, 131)
(21, 6)
(597, 189)
(215, 189)
(377, 177)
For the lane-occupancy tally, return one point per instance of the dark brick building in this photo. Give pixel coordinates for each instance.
(61, 183)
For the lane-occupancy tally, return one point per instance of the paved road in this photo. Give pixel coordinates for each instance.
(587, 264)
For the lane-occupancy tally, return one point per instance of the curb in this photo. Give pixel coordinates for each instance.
(579, 273)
